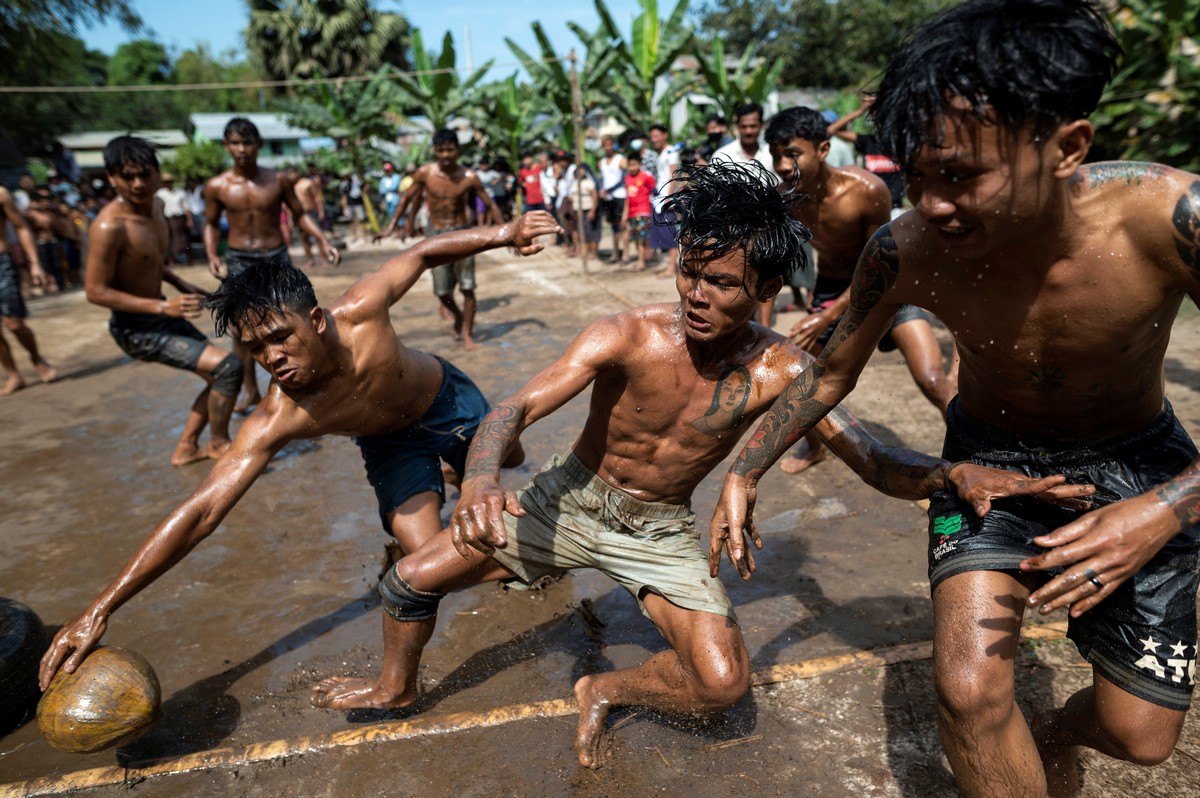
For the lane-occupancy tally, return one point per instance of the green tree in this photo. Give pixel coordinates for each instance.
(512, 125)
(338, 38)
(197, 160)
(436, 90)
(1151, 111)
(142, 62)
(28, 17)
(645, 86)
(746, 85)
(200, 65)
(820, 43)
(355, 112)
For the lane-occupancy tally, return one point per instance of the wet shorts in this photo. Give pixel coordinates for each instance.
(158, 339)
(1143, 636)
(574, 519)
(403, 463)
(460, 272)
(639, 228)
(12, 306)
(828, 289)
(238, 260)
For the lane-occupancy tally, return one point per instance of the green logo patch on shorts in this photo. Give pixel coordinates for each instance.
(947, 524)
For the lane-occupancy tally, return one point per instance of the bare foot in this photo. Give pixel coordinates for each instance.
(188, 453)
(340, 692)
(13, 384)
(47, 372)
(218, 447)
(794, 464)
(1061, 762)
(445, 313)
(590, 742)
(245, 406)
(469, 343)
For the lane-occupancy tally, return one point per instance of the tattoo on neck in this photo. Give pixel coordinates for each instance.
(1182, 494)
(728, 407)
(1187, 228)
(1128, 172)
(495, 434)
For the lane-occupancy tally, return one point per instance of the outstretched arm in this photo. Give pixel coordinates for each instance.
(392, 281)
(838, 127)
(185, 527)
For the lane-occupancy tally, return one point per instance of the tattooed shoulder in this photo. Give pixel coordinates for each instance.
(1130, 173)
(1186, 224)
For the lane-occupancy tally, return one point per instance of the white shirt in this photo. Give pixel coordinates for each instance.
(612, 176)
(196, 200)
(665, 164)
(173, 201)
(733, 153)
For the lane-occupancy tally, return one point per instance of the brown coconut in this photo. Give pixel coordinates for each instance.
(111, 699)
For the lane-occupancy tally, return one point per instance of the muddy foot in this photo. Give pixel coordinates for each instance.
(13, 384)
(1061, 762)
(339, 692)
(794, 464)
(47, 372)
(590, 741)
(188, 453)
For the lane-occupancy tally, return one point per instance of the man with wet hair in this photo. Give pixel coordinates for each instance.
(127, 248)
(452, 189)
(12, 305)
(843, 207)
(1060, 282)
(252, 198)
(674, 386)
(336, 370)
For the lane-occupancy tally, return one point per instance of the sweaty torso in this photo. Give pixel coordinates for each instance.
(252, 206)
(306, 192)
(140, 247)
(665, 414)
(1062, 342)
(42, 223)
(447, 194)
(855, 205)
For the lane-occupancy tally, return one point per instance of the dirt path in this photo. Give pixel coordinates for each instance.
(282, 593)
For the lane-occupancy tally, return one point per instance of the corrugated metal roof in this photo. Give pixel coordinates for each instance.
(271, 127)
(96, 139)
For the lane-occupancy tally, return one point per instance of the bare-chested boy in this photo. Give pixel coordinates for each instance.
(12, 305)
(127, 249)
(843, 207)
(308, 191)
(1060, 282)
(42, 217)
(338, 370)
(451, 189)
(674, 386)
(252, 199)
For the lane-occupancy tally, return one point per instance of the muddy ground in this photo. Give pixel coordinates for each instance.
(283, 593)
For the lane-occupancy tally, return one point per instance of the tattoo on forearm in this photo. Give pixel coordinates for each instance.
(794, 413)
(1182, 494)
(1187, 228)
(1047, 379)
(491, 441)
(1128, 172)
(728, 407)
(876, 273)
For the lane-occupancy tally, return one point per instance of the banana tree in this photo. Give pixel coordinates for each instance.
(746, 85)
(354, 111)
(512, 125)
(436, 88)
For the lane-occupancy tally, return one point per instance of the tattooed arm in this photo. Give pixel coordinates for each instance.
(806, 400)
(478, 518)
(1114, 542)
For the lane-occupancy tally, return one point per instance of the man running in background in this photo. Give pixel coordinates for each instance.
(252, 197)
(127, 248)
(843, 207)
(451, 189)
(12, 306)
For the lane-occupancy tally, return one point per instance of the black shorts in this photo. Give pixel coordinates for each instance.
(158, 339)
(238, 260)
(612, 209)
(828, 289)
(1143, 636)
(12, 306)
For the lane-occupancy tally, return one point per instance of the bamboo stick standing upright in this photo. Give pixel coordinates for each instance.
(577, 113)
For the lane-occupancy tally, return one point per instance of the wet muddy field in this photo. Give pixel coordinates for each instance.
(283, 594)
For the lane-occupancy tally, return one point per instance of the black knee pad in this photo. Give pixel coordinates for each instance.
(404, 602)
(227, 376)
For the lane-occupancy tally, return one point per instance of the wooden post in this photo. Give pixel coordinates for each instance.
(577, 113)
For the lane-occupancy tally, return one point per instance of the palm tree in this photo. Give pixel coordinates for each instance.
(745, 85)
(645, 87)
(515, 122)
(355, 112)
(436, 88)
(338, 38)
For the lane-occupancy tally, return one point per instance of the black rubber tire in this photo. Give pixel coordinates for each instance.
(23, 640)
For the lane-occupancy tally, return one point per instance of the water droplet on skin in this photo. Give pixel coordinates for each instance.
(991, 341)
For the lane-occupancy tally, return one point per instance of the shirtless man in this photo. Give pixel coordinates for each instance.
(12, 306)
(127, 251)
(308, 191)
(674, 386)
(335, 371)
(843, 207)
(452, 189)
(43, 221)
(251, 199)
(1060, 282)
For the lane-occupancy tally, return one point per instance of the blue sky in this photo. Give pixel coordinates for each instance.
(180, 25)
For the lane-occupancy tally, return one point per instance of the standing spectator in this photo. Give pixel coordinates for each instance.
(504, 188)
(389, 188)
(639, 186)
(612, 193)
(874, 158)
(583, 201)
(841, 152)
(64, 163)
(749, 145)
(716, 129)
(548, 180)
(42, 220)
(195, 206)
(175, 208)
(530, 180)
(351, 191)
(666, 162)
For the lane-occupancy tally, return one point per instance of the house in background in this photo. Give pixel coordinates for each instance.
(282, 143)
(89, 145)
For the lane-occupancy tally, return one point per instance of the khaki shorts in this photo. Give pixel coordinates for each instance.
(574, 519)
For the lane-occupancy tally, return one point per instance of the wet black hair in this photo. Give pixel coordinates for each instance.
(243, 128)
(745, 109)
(659, 126)
(257, 292)
(129, 151)
(796, 123)
(720, 120)
(726, 206)
(1024, 64)
(689, 156)
(445, 136)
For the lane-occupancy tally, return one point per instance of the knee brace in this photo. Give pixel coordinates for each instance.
(404, 602)
(227, 376)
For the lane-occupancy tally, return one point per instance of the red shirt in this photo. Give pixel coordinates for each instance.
(638, 189)
(531, 185)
